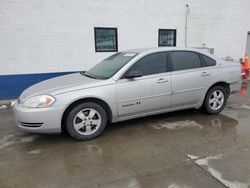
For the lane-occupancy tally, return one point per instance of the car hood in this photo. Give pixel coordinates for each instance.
(61, 84)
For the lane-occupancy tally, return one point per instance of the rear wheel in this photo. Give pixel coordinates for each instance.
(86, 121)
(215, 100)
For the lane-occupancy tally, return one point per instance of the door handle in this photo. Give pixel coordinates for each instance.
(161, 80)
(203, 74)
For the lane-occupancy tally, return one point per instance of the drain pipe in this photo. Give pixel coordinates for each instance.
(186, 23)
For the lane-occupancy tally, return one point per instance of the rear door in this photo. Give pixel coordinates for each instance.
(188, 78)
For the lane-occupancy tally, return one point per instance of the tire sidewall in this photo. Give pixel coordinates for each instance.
(208, 109)
(70, 118)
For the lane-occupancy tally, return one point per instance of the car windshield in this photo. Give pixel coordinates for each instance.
(109, 66)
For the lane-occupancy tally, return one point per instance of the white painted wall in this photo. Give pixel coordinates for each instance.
(39, 36)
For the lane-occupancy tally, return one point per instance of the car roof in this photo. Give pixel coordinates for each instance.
(159, 49)
(145, 51)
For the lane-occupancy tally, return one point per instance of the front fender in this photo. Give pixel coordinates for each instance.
(104, 93)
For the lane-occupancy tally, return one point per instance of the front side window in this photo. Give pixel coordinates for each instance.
(181, 60)
(106, 40)
(109, 66)
(167, 37)
(151, 64)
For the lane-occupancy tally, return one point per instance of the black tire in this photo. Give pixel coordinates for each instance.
(70, 121)
(207, 108)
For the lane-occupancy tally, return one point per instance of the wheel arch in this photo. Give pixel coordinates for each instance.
(221, 83)
(82, 100)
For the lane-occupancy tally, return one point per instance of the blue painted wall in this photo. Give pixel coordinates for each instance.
(11, 86)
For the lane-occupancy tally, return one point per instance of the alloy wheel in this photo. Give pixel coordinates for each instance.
(87, 121)
(216, 100)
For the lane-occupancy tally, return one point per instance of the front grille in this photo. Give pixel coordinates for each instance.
(24, 124)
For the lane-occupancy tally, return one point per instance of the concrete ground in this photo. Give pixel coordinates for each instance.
(182, 149)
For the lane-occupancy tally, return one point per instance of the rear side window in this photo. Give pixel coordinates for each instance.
(151, 64)
(209, 61)
(182, 60)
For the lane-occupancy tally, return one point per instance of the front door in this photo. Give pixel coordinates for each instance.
(147, 93)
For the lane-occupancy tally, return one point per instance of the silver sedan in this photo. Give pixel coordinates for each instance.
(127, 85)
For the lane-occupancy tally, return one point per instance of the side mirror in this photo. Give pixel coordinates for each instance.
(133, 74)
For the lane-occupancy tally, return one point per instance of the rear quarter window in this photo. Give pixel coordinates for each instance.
(208, 61)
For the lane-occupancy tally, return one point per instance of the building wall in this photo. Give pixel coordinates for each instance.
(58, 35)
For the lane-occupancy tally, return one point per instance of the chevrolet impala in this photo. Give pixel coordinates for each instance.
(127, 85)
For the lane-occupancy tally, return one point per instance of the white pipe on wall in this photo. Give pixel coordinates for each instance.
(186, 23)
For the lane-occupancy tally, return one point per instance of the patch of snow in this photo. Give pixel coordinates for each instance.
(10, 139)
(231, 184)
(192, 156)
(205, 160)
(215, 173)
(12, 103)
(177, 125)
(173, 185)
(3, 107)
(245, 106)
(34, 152)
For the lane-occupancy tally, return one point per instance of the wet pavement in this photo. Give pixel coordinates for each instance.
(182, 149)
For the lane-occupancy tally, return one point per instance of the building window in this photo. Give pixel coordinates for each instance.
(106, 39)
(167, 37)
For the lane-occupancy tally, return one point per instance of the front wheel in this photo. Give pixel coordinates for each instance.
(215, 100)
(86, 121)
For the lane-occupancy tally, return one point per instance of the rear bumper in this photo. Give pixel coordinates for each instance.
(38, 120)
(235, 87)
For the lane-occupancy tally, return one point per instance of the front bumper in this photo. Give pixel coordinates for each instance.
(38, 120)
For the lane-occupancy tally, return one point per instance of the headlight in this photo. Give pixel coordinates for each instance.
(40, 101)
